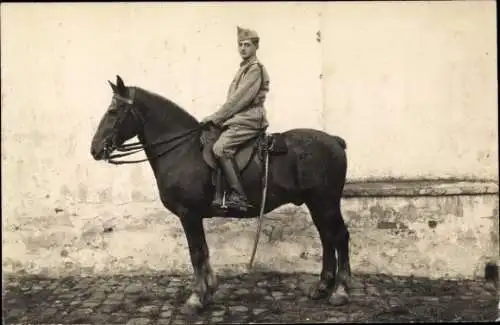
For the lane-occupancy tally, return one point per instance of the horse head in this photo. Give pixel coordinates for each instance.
(118, 124)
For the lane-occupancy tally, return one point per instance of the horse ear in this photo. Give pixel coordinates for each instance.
(119, 83)
(113, 87)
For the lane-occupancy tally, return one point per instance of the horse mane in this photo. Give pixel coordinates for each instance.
(166, 106)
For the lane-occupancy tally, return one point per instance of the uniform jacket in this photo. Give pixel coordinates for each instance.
(244, 105)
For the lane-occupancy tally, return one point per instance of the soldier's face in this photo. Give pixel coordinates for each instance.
(247, 49)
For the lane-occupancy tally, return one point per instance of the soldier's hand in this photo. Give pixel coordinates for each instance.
(213, 119)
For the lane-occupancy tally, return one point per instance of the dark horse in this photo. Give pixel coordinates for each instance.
(312, 171)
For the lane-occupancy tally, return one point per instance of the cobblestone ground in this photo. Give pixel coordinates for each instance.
(247, 298)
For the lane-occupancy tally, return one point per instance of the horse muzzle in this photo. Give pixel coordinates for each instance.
(103, 151)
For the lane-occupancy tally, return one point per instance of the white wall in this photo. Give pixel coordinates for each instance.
(54, 88)
(410, 86)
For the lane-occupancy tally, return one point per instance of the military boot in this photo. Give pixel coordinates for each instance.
(236, 198)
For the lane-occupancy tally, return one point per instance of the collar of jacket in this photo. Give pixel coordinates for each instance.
(249, 61)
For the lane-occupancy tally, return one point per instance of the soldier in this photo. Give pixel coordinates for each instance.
(242, 117)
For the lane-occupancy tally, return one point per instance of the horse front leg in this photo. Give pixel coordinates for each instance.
(205, 282)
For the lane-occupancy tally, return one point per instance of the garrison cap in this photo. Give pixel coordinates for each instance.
(244, 34)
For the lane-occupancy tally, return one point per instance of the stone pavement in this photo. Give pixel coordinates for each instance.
(246, 298)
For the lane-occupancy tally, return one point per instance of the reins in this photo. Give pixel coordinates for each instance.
(135, 147)
(132, 148)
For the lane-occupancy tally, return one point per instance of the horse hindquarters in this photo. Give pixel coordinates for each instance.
(321, 167)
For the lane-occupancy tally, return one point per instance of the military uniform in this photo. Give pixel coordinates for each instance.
(241, 118)
(243, 114)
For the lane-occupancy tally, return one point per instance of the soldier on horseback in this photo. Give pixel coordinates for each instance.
(242, 117)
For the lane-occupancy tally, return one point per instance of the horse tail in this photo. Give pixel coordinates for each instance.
(341, 142)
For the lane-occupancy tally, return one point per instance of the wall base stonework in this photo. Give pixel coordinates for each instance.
(431, 229)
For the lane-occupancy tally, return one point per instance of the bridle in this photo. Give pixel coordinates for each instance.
(135, 147)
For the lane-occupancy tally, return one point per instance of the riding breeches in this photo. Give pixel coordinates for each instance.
(232, 138)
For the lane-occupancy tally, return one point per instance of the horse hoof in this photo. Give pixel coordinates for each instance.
(209, 298)
(192, 306)
(339, 299)
(189, 310)
(318, 292)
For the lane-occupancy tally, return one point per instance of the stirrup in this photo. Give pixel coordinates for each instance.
(220, 202)
(242, 204)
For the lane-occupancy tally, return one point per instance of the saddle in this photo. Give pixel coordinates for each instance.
(263, 144)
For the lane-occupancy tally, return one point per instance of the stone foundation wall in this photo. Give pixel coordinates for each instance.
(432, 229)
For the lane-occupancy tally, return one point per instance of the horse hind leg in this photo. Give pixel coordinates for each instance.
(322, 220)
(340, 295)
(334, 238)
